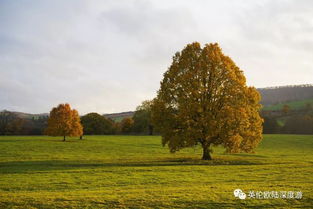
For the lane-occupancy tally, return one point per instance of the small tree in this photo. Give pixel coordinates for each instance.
(126, 125)
(63, 121)
(95, 123)
(203, 99)
(142, 118)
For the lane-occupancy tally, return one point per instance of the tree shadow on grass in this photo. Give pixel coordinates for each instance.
(50, 165)
(246, 155)
(17, 140)
(40, 140)
(58, 139)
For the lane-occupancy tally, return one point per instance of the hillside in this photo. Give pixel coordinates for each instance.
(117, 117)
(27, 115)
(114, 116)
(283, 94)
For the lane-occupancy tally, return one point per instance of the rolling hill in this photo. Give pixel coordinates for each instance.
(284, 94)
(117, 117)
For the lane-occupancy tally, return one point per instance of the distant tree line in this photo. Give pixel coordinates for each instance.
(12, 124)
(284, 121)
(139, 123)
(288, 121)
(93, 123)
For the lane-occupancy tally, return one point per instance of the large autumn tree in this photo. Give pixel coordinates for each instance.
(204, 99)
(64, 121)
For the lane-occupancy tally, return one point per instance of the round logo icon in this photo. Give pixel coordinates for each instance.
(240, 194)
(237, 192)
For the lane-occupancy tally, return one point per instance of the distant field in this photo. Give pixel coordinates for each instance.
(137, 172)
(294, 105)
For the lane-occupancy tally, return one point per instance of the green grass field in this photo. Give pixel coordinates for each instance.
(137, 172)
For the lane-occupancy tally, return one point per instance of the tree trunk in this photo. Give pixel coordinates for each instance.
(150, 130)
(206, 152)
(81, 137)
(64, 138)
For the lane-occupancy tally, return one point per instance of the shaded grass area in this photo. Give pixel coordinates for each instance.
(137, 172)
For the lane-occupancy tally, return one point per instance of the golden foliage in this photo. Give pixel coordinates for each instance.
(63, 121)
(204, 99)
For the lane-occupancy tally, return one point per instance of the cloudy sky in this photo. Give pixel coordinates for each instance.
(108, 56)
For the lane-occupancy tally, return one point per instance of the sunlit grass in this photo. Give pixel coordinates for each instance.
(137, 172)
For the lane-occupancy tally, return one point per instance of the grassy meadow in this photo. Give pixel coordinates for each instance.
(137, 172)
